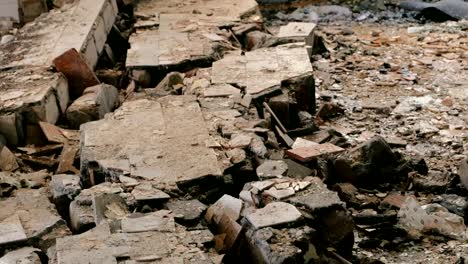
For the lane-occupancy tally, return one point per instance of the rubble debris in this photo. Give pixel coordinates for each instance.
(276, 213)
(225, 205)
(7, 159)
(161, 220)
(368, 163)
(26, 255)
(440, 11)
(64, 189)
(83, 26)
(30, 95)
(418, 219)
(82, 215)
(109, 206)
(272, 63)
(101, 246)
(30, 216)
(175, 129)
(309, 153)
(146, 192)
(95, 102)
(272, 169)
(186, 211)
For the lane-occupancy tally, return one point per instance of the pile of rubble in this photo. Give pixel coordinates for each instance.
(209, 132)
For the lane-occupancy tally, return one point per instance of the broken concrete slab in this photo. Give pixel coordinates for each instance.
(329, 213)
(174, 131)
(12, 230)
(108, 207)
(7, 159)
(64, 189)
(187, 211)
(273, 214)
(233, 11)
(36, 219)
(30, 95)
(463, 172)
(146, 192)
(177, 41)
(83, 26)
(95, 102)
(311, 152)
(99, 245)
(263, 70)
(27, 255)
(82, 216)
(162, 220)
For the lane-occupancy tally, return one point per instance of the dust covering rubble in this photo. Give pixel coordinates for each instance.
(269, 131)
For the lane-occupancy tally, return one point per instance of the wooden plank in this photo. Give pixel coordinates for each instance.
(52, 132)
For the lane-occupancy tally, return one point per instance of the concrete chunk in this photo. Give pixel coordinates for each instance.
(263, 70)
(99, 245)
(173, 130)
(162, 220)
(273, 214)
(27, 96)
(35, 216)
(25, 255)
(95, 102)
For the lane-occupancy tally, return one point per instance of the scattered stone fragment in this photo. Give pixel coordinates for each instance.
(272, 64)
(162, 220)
(95, 102)
(236, 155)
(309, 153)
(262, 185)
(81, 209)
(67, 159)
(329, 110)
(368, 163)
(7, 159)
(298, 32)
(25, 255)
(454, 203)
(99, 245)
(30, 215)
(416, 219)
(240, 141)
(64, 189)
(175, 130)
(8, 184)
(279, 194)
(109, 206)
(272, 169)
(273, 214)
(146, 192)
(187, 211)
(225, 205)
